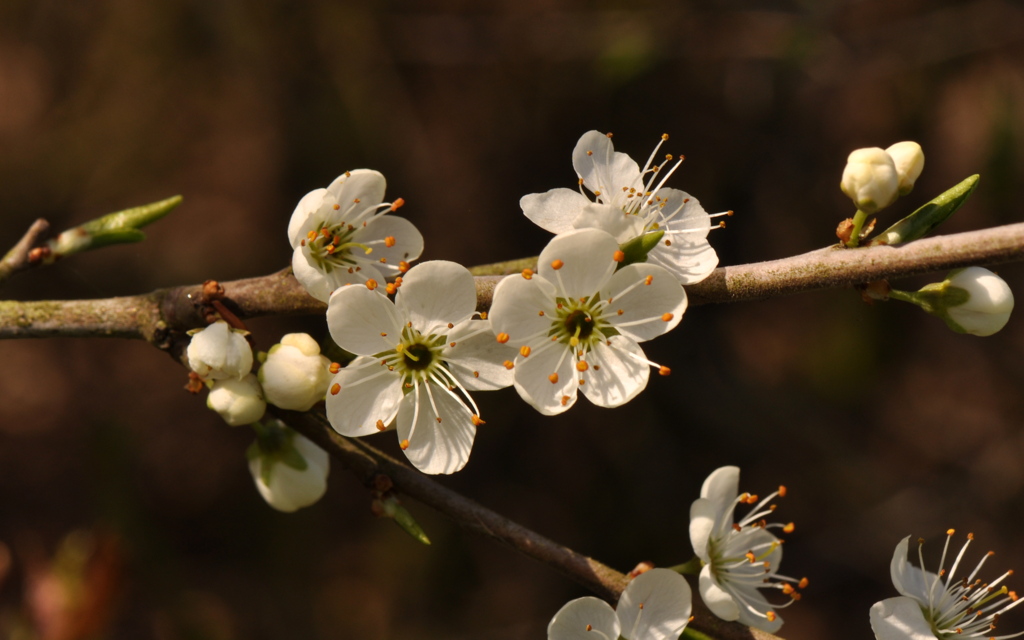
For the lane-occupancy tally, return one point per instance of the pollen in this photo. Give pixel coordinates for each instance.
(540, 313)
(666, 316)
(668, 243)
(336, 206)
(335, 367)
(389, 241)
(528, 273)
(524, 351)
(620, 312)
(476, 374)
(371, 284)
(380, 425)
(508, 365)
(553, 378)
(404, 444)
(335, 388)
(503, 337)
(664, 371)
(789, 528)
(618, 256)
(557, 264)
(582, 365)
(476, 420)
(648, 280)
(397, 204)
(403, 266)
(590, 153)
(451, 344)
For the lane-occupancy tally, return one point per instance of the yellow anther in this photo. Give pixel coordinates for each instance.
(648, 279)
(404, 444)
(336, 206)
(789, 528)
(771, 616)
(950, 532)
(311, 235)
(476, 420)
(750, 556)
(335, 367)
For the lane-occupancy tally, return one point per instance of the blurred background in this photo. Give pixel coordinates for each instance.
(126, 507)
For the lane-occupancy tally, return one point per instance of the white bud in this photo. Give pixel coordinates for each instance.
(237, 401)
(908, 158)
(295, 376)
(989, 302)
(870, 179)
(286, 488)
(219, 352)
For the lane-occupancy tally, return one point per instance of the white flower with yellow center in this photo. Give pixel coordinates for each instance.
(341, 236)
(629, 203)
(654, 606)
(577, 321)
(418, 359)
(739, 557)
(941, 606)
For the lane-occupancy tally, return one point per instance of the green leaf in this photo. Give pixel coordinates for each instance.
(133, 218)
(636, 250)
(930, 215)
(394, 510)
(117, 236)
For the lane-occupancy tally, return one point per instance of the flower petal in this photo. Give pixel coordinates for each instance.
(554, 210)
(720, 489)
(614, 378)
(435, 294)
(477, 359)
(321, 284)
(303, 221)
(603, 169)
(358, 193)
(754, 610)
(621, 225)
(718, 599)
(899, 618)
(702, 525)
(585, 261)
(909, 580)
(436, 445)
(533, 377)
(572, 620)
(362, 321)
(408, 242)
(645, 307)
(666, 600)
(684, 250)
(517, 306)
(368, 393)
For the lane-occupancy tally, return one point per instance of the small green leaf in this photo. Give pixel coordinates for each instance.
(636, 250)
(930, 215)
(394, 510)
(134, 218)
(115, 236)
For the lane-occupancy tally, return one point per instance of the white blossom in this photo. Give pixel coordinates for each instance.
(577, 321)
(239, 402)
(739, 557)
(941, 606)
(290, 471)
(418, 359)
(341, 236)
(628, 203)
(989, 302)
(218, 351)
(870, 179)
(295, 376)
(908, 158)
(654, 606)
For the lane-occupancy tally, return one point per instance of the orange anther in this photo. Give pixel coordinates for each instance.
(404, 444)
(503, 337)
(528, 273)
(565, 400)
(336, 206)
(476, 420)
(397, 204)
(335, 388)
(557, 264)
(787, 589)
(648, 279)
(380, 425)
(664, 371)
(508, 365)
(782, 491)
(391, 289)
(582, 365)
(950, 532)
(389, 241)
(789, 528)
(803, 583)
(750, 556)
(335, 367)
(771, 616)
(524, 351)
(311, 235)
(371, 284)
(667, 316)
(618, 256)
(553, 378)
(403, 266)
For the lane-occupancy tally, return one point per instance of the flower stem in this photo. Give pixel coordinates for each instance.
(858, 224)
(691, 567)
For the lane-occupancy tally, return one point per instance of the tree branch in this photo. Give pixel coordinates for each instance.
(17, 259)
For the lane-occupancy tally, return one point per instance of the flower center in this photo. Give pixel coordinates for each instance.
(579, 322)
(418, 356)
(332, 246)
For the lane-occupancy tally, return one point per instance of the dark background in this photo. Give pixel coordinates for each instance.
(124, 499)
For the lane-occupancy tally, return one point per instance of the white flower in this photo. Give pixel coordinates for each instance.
(870, 179)
(629, 202)
(654, 606)
(908, 158)
(295, 376)
(218, 351)
(341, 236)
(290, 471)
(988, 305)
(577, 322)
(237, 401)
(739, 558)
(941, 606)
(418, 358)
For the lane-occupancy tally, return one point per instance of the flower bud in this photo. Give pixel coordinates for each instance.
(295, 376)
(237, 401)
(988, 305)
(290, 471)
(219, 352)
(908, 158)
(870, 179)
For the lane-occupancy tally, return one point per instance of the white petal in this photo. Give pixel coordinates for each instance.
(602, 169)
(369, 392)
(366, 186)
(899, 618)
(571, 621)
(436, 446)
(684, 250)
(218, 352)
(477, 359)
(755, 602)
(666, 600)
(585, 258)
(532, 378)
(645, 305)
(622, 226)
(614, 378)
(702, 524)
(722, 486)
(408, 242)
(555, 210)
(293, 380)
(321, 284)
(435, 294)
(303, 221)
(517, 306)
(909, 580)
(717, 598)
(362, 321)
(237, 401)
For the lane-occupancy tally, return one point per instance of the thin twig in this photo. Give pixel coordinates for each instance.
(17, 259)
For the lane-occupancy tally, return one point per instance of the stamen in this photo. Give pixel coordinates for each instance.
(557, 264)
(618, 256)
(503, 337)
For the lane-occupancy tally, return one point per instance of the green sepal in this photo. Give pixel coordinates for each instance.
(928, 216)
(936, 299)
(636, 250)
(274, 445)
(114, 236)
(394, 510)
(134, 218)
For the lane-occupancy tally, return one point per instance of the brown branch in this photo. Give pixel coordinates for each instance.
(17, 259)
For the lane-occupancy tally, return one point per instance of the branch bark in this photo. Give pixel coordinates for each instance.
(17, 259)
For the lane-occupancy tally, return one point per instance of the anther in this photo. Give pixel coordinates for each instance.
(618, 256)
(335, 388)
(451, 344)
(782, 491)
(620, 312)
(789, 528)
(664, 371)
(970, 536)
(371, 284)
(668, 243)
(582, 365)
(771, 616)
(383, 334)
(438, 419)
(565, 400)
(336, 206)
(950, 532)
(389, 241)
(380, 425)
(590, 153)
(557, 264)
(787, 589)
(803, 583)
(476, 420)
(404, 444)
(508, 364)
(397, 204)
(666, 317)
(524, 351)
(503, 337)
(311, 235)
(451, 326)
(528, 273)
(476, 374)
(553, 378)
(540, 313)
(403, 266)
(750, 556)
(648, 280)
(391, 288)
(590, 628)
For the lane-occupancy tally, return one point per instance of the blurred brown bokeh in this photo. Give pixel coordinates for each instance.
(880, 421)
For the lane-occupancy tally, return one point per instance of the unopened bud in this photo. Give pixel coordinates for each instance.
(239, 402)
(989, 301)
(295, 376)
(870, 179)
(908, 159)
